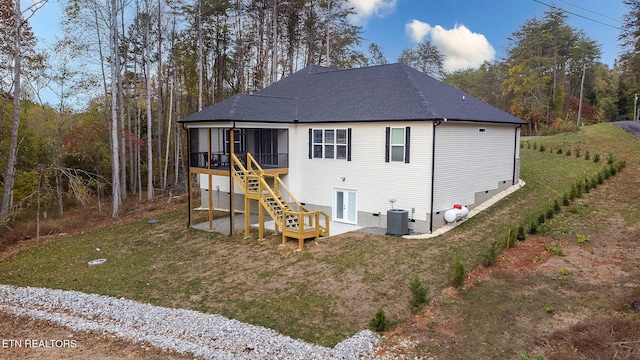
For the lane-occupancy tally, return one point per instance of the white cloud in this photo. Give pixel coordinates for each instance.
(461, 48)
(364, 9)
(417, 30)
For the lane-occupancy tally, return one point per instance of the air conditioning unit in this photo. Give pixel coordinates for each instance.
(397, 222)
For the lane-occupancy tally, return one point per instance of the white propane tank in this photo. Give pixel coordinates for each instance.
(458, 212)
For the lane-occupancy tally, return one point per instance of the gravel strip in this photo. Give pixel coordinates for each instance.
(185, 331)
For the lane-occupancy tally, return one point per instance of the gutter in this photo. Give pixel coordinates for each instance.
(433, 171)
(515, 150)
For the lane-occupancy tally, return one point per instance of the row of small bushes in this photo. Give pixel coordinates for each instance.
(576, 152)
(532, 226)
(420, 291)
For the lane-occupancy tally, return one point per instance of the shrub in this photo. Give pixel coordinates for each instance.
(577, 153)
(596, 158)
(613, 169)
(573, 193)
(568, 153)
(587, 156)
(559, 152)
(586, 185)
(549, 213)
(606, 172)
(419, 292)
(542, 149)
(490, 254)
(541, 219)
(459, 273)
(610, 159)
(565, 200)
(380, 322)
(535, 145)
(556, 206)
(533, 228)
(600, 178)
(520, 235)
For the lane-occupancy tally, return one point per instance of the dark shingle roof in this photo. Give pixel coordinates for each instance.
(378, 93)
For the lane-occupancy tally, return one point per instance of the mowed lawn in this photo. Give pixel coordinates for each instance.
(327, 292)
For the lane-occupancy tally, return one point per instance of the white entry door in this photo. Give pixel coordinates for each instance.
(344, 209)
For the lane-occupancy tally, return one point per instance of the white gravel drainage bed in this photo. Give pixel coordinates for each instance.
(185, 331)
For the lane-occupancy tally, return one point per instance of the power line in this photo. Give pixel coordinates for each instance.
(591, 11)
(578, 15)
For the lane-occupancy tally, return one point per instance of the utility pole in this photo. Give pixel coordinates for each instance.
(584, 67)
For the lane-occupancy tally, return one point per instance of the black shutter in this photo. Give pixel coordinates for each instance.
(349, 144)
(310, 143)
(406, 145)
(386, 146)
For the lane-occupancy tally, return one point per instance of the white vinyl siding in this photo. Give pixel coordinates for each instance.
(469, 161)
(367, 173)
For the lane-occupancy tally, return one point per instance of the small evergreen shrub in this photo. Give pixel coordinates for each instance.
(565, 200)
(533, 228)
(596, 158)
(587, 156)
(459, 273)
(610, 159)
(521, 235)
(613, 169)
(542, 149)
(549, 213)
(535, 145)
(577, 153)
(568, 153)
(600, 177)
(556, 206)
(541, 219)
(490, 254)
(380, 322)
(559, 152)
(419, 293)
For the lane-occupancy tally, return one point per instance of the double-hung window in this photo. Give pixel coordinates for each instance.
(397, 144)
(330, 144)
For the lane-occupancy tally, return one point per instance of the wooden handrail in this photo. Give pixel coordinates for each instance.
(280, 193)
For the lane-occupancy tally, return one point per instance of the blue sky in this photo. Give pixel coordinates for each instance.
(466, 31)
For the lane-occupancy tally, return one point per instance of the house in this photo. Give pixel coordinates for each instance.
(349, 145)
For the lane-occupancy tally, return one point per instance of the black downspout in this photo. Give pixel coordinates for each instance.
(231, 192)
(433, 172)
(189, 172)
(515, 150)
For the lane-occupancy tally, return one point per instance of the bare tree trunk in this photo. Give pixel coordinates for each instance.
(147, 62)
(123, 147)
(200, 45)
(274, 43)
(10, 173)
(115, 151)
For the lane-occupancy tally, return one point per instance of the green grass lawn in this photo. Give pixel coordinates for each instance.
(328, 291)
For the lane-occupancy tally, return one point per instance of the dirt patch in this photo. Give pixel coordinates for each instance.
(24, 338)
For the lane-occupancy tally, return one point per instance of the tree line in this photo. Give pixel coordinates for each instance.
(144, 64)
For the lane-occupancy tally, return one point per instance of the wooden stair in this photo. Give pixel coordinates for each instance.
(290, 217)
